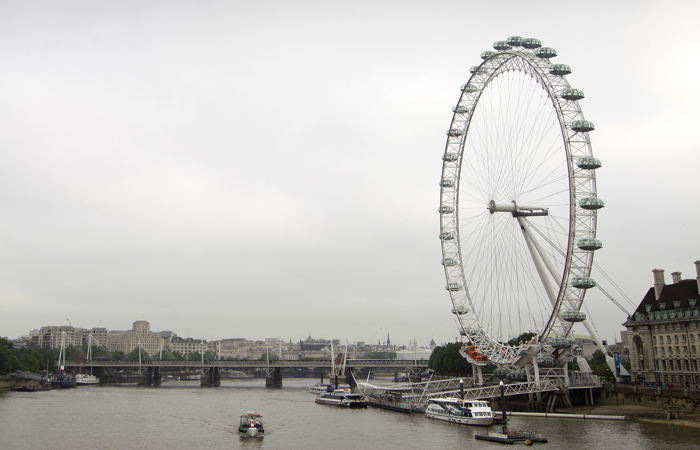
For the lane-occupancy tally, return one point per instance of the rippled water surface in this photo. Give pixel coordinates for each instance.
(182, 415)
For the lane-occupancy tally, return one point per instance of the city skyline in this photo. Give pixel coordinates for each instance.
(386, 340)
(266, 168)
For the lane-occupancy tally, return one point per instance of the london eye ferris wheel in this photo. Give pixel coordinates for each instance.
(518, 202)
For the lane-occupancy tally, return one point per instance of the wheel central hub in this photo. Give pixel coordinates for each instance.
(517, 211)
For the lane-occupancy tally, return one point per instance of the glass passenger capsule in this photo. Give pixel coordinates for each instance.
(447, 183)
(514, 41)
(460, 109)
(573, 316)
(446, 210)
(468, 87)
(560, 342)
(450, 157)
(462, 332)
(591, 203)
(571, 94)
(547, 361)
(447, 236)
(453, 286)
(500, 372)
(454, 132)
(449, 262)
(589, 244)
(545, 52)
(532, 43)
(582, 126)
(516, 375)
(477, 69)
(583, 282)
(559, 69)
(487, 54)
(460, 310)
(501, 45)
(589, 163)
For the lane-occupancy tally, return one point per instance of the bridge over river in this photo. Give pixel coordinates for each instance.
(211, 370)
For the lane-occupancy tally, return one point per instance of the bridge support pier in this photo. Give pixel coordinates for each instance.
(150, 377)
(274, 378)
(211, 377)
(350, 379)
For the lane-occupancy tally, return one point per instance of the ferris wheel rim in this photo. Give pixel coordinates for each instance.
(553, 81)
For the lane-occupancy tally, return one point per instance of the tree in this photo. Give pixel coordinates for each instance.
(8, 359)
(599, 365)
(29, 363)
(523, 338)
(448, 360)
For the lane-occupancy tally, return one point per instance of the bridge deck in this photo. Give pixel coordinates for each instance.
(240, 364)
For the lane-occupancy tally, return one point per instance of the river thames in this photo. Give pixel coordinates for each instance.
(182, 415)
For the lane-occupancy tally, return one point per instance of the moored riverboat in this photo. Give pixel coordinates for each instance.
(392, 400)
(456, 410)
(321, 388)
(342, 398)
(83, 379)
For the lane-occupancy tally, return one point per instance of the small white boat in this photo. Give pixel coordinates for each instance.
(251, 425)
(456, 410)
(85, 379)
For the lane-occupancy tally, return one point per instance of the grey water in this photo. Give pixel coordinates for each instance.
(183, 415)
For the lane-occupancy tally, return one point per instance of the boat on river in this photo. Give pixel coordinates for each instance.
(342, 398)
(321, 388)
(392, 400)
(251, 425)
(31, 387)
(62, 380)
(456, 410)
(82, 379)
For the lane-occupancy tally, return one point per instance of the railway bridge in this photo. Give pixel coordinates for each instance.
(150, 371)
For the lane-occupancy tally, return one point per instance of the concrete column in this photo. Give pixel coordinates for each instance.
(146, 378)
(211, 377)
(157, 378)
(275, 380)
(350, 379)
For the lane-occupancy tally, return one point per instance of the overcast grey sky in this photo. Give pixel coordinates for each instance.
(270, 168)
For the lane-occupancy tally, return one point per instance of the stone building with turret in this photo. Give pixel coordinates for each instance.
(664, 332)
(140, 333)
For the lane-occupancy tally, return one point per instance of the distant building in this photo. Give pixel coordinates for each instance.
(185, 346)
(313, 344)
(417, 353)
(664, 332)
(51, 336)
(140, 333)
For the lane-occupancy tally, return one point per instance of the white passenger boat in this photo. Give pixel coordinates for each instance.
(321, 388)
(251, 425)
(466, 412)
(342, 398)
(86, 379)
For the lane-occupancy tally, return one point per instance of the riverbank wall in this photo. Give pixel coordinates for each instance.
(656, 397)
